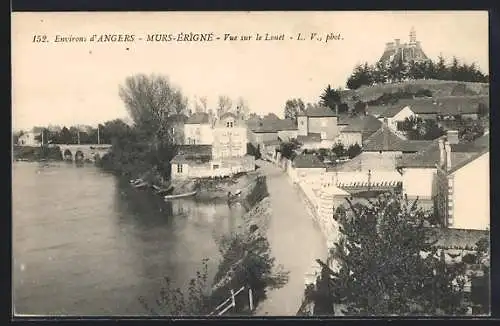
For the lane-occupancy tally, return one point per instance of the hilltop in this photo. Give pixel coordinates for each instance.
(438, 88)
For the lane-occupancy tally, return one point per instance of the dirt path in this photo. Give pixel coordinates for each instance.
(296, 241)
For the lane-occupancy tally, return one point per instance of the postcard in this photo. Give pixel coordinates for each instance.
(250, 164)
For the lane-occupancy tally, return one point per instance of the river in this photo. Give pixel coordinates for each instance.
(86, 243)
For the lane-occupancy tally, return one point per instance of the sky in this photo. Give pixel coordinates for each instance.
(77, 83)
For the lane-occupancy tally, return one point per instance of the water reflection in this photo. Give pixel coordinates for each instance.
(93, 244)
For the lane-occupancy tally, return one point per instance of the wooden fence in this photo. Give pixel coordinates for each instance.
(231, 302)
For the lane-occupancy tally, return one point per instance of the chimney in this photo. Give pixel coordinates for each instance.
(447, 149)
(385, 131)
(452, 136)
(442, 153)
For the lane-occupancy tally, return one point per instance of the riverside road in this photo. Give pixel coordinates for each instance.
(295, 239)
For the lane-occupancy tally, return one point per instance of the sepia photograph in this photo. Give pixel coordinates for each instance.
(250, 164)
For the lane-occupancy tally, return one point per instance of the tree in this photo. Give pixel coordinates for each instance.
(330, 97)
(246, 261)
(388, 264)
(339, 150)
(287, 149)
(292, 108)
(224, 104)
(417, 129)
(353, 150)
(176, 302)
(361, 76)
(242, 108)
(441, 70)
(470, 130)
(200, 105)
(359, 108)
(150, 101)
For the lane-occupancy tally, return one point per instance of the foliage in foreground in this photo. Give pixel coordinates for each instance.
(388, 264)
(246, 261)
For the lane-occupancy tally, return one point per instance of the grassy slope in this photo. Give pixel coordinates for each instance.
(437, 87)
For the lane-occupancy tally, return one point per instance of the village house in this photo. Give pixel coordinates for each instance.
(381, 150)
(314, 121)
(177, 128)
(198, 129)
(229, 137)
(358, 130)
(463, 189)
(225, 156)
(29, 138)
(396, 114)
(419, 169)
(308, 168)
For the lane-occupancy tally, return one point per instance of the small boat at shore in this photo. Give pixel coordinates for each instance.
(140, 184)
(162, 191)
(187, 194)
(136, 181)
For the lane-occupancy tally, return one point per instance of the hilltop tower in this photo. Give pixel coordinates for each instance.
(406, 52)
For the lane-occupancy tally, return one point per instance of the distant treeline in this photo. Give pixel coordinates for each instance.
(74, 135)
(397, 70)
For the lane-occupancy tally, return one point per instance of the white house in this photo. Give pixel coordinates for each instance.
(229, 137)
(358, 130)
(198, 130)
(29, 139)
(463, 189)
(395, 115)
(419, 171)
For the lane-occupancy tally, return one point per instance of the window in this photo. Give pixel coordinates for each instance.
(179, 168)
(216, 166)
(229, 124)
(302, 122)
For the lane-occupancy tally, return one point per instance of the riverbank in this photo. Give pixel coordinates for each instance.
(36, 153)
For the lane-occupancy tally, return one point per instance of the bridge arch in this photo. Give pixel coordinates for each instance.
(79, 156)
(67, 155)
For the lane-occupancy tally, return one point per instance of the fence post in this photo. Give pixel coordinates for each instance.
(250, 297)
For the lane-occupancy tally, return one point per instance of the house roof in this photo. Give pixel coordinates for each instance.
(198, 118)
(449, 238)
(307, 161)
(446, 105)
(179, 118)
(364, 123)
(453, 105)
(271, 125)
(429, 157)
(318, 111)
(345, 119)
(195, 149)
(460, 164)
(228, 114)
(311, 137)
(391, 111)
(385, 139)
(376, 110)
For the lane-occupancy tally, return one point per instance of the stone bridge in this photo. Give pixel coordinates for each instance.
(87, 151)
